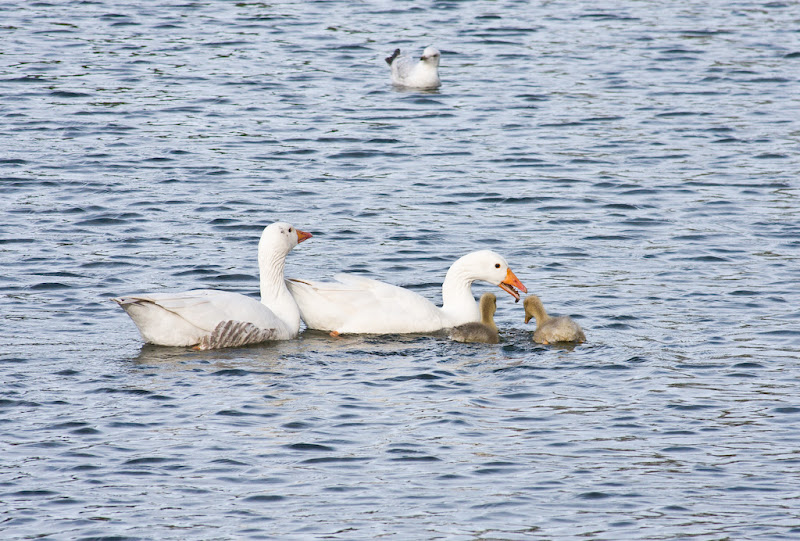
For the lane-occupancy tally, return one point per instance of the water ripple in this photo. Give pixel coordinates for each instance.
(636, 167)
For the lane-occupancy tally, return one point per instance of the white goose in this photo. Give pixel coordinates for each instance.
(355, 304)
(208, 318)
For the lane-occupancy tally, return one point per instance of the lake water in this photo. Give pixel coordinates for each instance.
(637, 165)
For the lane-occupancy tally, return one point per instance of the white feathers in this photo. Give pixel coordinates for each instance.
(207, 318)
(409, 73)
(353, 304)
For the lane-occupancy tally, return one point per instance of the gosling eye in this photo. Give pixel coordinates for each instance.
(497, 265)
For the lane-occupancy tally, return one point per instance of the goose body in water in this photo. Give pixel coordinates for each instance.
(209, 318)
(549, 329)
(483, 331)
(354, 304)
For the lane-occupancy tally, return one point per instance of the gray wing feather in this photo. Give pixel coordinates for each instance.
(231, 334)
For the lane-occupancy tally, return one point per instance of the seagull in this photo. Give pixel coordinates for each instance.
(423, 74)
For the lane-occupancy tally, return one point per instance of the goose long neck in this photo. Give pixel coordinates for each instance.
(535, 308)
(457, 300)
(487, 314)
(274, 293)
(271, 265)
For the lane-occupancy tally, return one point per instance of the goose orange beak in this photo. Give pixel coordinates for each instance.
(302, 235)
(511, 284)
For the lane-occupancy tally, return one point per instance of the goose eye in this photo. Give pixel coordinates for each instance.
(290, 230)
(497, 265)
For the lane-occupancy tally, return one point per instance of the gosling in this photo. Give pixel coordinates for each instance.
(551, 329)
(486, 330)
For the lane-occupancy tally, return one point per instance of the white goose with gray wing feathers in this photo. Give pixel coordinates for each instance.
(209, 318)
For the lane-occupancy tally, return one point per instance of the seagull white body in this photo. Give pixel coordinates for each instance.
(422, 74)
(355, 304)
(209, 318)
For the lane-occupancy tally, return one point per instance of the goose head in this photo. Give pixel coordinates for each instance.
(534, 309)
(281, 237)
(493, 268)
(276, 242)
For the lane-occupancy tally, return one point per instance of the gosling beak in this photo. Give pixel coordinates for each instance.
(511, 284)
(302, 235)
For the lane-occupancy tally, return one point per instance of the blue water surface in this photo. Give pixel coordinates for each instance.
(636, 164)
